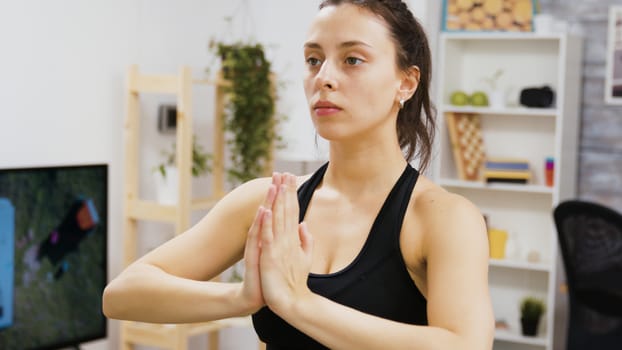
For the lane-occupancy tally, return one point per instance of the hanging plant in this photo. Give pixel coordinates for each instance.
(250, 112)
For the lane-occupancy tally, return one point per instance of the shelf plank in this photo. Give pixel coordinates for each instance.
(515, 111)
(217, 82)
(144, 334)
(520, 265)
(495, 186)
(511, 337)
(158, 335)
(501, 36)
(163, 84)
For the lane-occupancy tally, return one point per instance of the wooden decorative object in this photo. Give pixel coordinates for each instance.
(488, 15)
(467, 144)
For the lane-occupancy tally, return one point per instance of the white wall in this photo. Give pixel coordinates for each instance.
(62, 72)
(61, 69)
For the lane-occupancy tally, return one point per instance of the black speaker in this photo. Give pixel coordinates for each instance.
(540, 97)
(167, 118)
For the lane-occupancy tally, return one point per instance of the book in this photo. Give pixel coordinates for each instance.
(506, 165)
(507, 174)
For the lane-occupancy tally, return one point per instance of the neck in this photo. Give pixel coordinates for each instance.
(364, 166)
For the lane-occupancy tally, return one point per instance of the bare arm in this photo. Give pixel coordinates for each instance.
(459, 308)
(170, 284)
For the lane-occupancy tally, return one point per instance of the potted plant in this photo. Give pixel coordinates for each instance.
(250, 118)
(167, 178)
(531, 310)
(496, 97)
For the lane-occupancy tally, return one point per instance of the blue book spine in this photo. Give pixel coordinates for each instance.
(7, 263)
(507, 166)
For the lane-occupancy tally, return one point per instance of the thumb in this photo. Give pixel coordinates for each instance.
(306, 239)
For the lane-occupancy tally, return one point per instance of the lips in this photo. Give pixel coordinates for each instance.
(323, 108)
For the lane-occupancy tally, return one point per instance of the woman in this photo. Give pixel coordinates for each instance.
(362, 254)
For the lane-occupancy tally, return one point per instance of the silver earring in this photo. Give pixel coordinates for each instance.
(402, 103)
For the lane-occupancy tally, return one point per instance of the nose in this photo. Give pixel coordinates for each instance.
(326, 77)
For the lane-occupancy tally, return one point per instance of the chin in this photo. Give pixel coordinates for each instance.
(333, 133)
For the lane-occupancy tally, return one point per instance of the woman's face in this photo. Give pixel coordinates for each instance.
(351, 80)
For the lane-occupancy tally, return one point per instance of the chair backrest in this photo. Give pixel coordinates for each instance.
(590, 238)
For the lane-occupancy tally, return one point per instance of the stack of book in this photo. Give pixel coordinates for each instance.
(507, 170)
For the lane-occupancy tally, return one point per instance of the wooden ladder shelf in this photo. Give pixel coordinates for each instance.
(170, 336)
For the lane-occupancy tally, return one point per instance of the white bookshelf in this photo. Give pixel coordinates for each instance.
(517, 111)
(515, 131)
(498, 187)
(521, 265)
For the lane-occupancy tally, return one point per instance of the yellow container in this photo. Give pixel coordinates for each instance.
(497, 239)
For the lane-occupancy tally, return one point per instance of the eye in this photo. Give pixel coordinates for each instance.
(353, 61)
(312, 61)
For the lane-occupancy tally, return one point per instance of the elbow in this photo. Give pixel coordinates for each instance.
(111, 300)
(121, 294)
(480, 337)
(122, 297)
(488, 333)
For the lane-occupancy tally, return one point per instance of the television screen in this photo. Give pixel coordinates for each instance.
(53, 256)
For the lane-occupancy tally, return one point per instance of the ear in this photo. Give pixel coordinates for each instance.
(409, 83)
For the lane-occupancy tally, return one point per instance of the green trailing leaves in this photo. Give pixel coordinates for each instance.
(250, 113)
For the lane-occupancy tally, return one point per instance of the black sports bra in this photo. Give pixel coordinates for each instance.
(375, 282)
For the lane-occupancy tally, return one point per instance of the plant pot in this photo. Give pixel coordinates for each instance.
(529, 326)
(166, 186)
(496, 99)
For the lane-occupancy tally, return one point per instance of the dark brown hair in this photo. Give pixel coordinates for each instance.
(415, 131)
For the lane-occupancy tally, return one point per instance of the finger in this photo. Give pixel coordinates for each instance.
(306, 239)
(266, 228)
(278, 212)
(291, 181)
(276, 182)
(291, 205)
(252, 240)
(269, 200)
(277, 179)
(255, 226)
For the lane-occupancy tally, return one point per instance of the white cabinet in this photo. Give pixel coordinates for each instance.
(513, 131)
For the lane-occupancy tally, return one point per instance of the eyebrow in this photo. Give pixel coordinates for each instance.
(345, 44)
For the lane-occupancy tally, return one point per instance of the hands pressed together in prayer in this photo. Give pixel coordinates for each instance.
(278, 250)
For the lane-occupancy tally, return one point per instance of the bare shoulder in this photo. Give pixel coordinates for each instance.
(445, 215)
(252, 193)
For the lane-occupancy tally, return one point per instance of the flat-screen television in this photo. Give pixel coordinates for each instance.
(53, 256)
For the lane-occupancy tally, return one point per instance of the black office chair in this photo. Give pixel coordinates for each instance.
(590, 237)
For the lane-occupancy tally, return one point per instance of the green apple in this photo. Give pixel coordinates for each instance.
(479, 98)
(459, 98)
